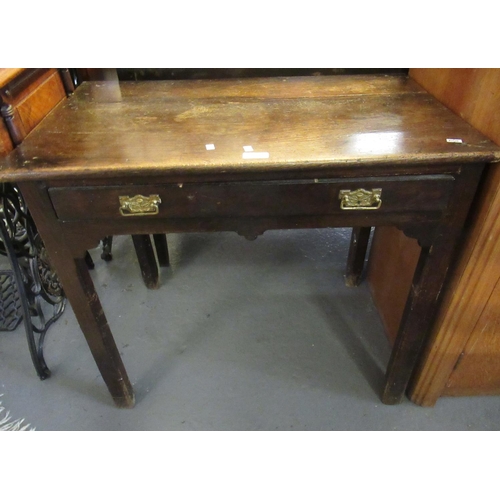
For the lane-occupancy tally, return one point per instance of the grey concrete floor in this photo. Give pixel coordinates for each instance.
(242, 335)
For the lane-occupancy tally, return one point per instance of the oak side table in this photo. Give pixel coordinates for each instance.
(250, 156)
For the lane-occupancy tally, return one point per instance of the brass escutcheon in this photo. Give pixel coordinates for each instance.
(361, 199)
(139, 205)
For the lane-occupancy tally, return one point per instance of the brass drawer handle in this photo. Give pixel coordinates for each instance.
(139, 205)
(361, 199)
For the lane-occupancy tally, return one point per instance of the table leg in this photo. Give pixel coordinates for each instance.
(88, 311)
(416, 320)
(147, 260)
(79, 289)
(357, 253)
(439, 250)
(161, 249)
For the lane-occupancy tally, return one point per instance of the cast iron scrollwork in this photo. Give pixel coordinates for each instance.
(41, 295)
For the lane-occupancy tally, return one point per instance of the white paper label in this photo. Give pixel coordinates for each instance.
(458, 141)
(210, 146)
(252, 155)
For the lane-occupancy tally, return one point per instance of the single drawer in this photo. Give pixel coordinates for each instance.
(253, 199)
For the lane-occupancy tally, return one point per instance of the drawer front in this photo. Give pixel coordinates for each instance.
(253, 199)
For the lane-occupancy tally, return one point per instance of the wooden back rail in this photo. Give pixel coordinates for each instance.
(250, 156)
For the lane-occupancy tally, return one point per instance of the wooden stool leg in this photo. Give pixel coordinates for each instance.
(89, 261)
(107, 243)
(147, 260)
(357, 253)
(161, 249)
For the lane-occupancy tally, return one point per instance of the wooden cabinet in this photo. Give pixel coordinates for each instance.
(463, 355)
(5, 141)
(27, 96)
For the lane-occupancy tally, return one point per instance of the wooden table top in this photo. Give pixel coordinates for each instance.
(152, 127)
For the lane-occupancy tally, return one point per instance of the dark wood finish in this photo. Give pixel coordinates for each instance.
(231, 199)
(89, 261)
(425, 293)
(171, 128)
(82, 75)
(67, 79)
(110, 91)
(136, 74)
(161, 247)
(13, 124)
(98, 74)
(322, 135)
(360, 237)
(79, 289)
(147, 260)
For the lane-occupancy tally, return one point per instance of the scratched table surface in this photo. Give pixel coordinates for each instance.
(314, 138)
(143, 128)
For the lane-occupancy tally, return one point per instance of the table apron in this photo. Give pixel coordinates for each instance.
(353, 199)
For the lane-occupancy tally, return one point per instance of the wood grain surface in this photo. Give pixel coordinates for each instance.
(259, 199)
(8, 74)
(463, 357)
(298, 122)
(6, 145)
(27, 97)
(40, 98)
(110, 139)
